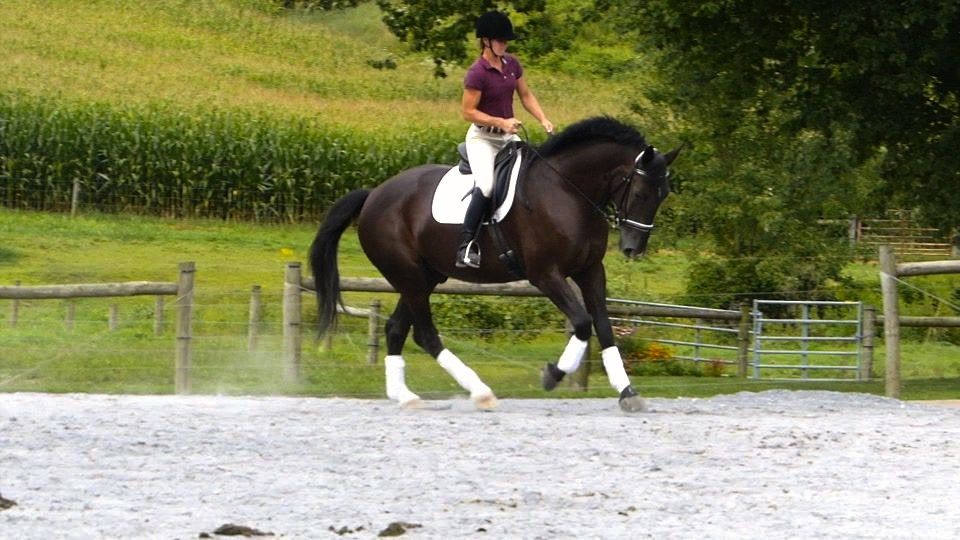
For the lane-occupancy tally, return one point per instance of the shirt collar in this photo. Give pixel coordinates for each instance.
(486, 63)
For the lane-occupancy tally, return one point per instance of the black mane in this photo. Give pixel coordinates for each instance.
(598, 127)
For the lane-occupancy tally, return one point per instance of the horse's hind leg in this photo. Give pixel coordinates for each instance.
(425, 334)
(397, 328)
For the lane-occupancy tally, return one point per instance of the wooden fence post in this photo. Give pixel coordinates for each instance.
(75, 198)
(291, 323)
(373, 331)
(184, 327)
(869, 334)
(743, 341)
(891, 320)
(255, 318)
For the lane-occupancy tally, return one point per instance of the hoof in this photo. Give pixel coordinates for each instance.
(630, 401)
(412, 403)
(551, 376)
(420, 405)
(485, 401)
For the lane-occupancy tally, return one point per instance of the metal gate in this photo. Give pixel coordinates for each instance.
(818, 348)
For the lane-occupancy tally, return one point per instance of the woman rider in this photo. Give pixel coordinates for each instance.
(488, 89)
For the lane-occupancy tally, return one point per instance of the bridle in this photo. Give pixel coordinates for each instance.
(620, 216)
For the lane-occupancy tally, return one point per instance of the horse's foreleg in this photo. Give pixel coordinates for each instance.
(426, 335)
(563, 296)
(397, 328)
(593, 286)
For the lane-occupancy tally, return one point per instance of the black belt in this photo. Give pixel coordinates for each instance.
(490, 129)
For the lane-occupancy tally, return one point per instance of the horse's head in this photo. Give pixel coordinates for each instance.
(645, 188)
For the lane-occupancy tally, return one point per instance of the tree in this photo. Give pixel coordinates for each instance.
(883, 73)
(442, 28)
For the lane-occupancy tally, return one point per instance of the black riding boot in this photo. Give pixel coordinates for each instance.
(468, 255)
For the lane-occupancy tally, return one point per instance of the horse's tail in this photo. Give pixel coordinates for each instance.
(323, 255)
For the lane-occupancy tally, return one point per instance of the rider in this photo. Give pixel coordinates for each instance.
(488, 89)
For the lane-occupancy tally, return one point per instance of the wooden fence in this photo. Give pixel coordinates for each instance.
(890, 272)
(899, 230)
(295, 284)
(182, 289)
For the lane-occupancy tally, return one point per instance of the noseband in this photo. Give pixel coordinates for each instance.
(620, 218)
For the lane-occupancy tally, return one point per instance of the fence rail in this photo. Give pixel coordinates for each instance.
(101, 290)
(620, 310)
(182, 289)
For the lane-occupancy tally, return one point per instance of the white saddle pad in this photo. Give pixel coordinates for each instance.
(452, 197)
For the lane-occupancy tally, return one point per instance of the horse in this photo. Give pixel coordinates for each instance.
(558, 230)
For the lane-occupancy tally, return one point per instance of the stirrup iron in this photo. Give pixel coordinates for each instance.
(468, 256)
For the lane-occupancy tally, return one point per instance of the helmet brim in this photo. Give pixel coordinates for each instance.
(509, 37)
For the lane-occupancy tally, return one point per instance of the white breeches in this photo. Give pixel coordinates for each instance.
(482, 149)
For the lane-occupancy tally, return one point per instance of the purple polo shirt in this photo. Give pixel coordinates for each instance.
(496, 88)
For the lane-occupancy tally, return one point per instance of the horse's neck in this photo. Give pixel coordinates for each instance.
(590, 169)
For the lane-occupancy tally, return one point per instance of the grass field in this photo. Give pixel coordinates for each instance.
(42, 354)
(225, 54)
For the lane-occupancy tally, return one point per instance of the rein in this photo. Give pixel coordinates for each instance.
(619, 217)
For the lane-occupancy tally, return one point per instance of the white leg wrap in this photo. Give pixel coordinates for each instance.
(396, 383)
(466, 377)
(613, 363)
(572, 355)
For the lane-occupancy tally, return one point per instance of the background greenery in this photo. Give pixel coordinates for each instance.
(246, 111)
(41, 353)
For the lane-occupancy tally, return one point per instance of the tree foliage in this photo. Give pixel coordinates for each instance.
(883, 73)
(442, 28)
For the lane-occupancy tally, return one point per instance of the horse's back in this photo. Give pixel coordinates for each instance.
(407, 190)
(396, 220)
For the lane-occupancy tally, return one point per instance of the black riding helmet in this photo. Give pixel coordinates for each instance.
(495, 25)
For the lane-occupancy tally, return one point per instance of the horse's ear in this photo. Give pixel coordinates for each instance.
(672, 155)
(647, 155)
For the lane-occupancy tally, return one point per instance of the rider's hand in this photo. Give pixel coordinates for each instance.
(547, 126)
(511, 125)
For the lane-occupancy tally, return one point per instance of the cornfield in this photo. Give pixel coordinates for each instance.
(166, 161)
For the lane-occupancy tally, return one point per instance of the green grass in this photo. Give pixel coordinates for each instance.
(42, 354)
(233, 54)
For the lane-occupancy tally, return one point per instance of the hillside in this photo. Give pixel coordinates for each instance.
(241, 55)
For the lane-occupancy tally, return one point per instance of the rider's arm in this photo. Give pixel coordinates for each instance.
(470, 112)
(532, 106)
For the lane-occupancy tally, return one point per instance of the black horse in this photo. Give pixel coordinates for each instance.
(558, 230)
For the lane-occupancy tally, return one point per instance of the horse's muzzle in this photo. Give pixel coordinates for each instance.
(632, 253)
(633, 243)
